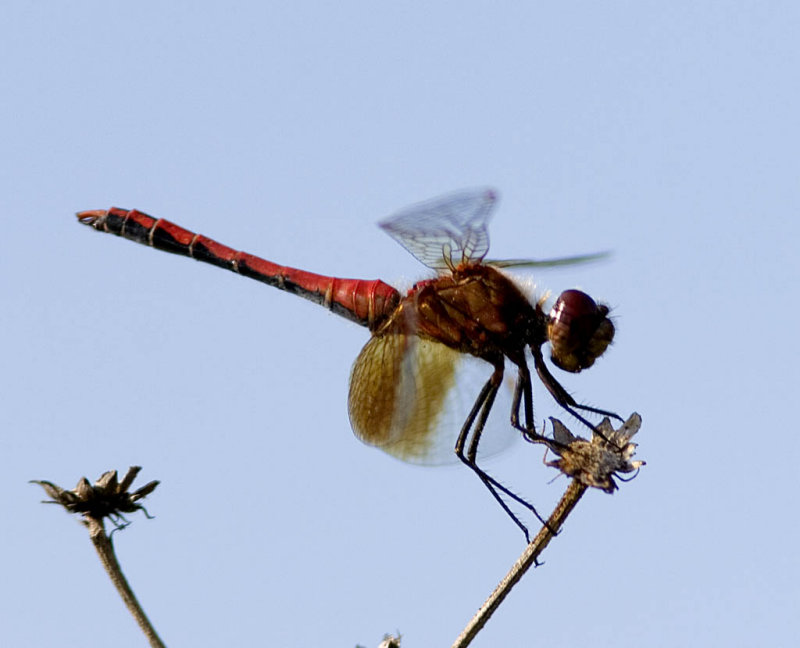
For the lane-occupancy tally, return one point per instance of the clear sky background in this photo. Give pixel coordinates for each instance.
(667, 132)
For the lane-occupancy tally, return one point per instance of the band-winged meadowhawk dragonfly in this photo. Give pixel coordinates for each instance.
(400, 385)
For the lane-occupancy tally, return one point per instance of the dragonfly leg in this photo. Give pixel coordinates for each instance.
(524, 389)
(478, 416)
(562, 397)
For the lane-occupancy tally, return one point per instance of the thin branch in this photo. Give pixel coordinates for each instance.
(528, 558)
(109, 498)
(105, 549)
(593, 463)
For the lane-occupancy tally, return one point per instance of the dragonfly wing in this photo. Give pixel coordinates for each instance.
(548, 263)
(445, 231)
(410, 397)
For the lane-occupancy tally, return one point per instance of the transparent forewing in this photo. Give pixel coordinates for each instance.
(445, 231)
(410, 397)
(548, 263)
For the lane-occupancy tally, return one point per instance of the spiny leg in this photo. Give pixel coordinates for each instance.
(486, 398)
(562, 397)
(524, 389)
(480, 410)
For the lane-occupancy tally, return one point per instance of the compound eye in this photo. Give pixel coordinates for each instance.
(579, 331)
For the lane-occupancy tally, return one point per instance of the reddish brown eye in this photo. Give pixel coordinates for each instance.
(579, 331)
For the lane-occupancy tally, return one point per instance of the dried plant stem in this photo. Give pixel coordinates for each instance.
(564, 507)
(102, 543)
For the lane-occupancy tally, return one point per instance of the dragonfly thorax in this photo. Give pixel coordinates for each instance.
(475, 310)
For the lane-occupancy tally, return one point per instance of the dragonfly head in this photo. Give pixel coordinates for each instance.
(579, 331)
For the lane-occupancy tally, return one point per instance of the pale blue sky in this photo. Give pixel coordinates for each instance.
(667, 132)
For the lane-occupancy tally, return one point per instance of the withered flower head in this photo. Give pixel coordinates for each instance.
(596, 462)
(108, 497)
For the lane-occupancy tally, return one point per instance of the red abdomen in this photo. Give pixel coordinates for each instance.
(362, 301)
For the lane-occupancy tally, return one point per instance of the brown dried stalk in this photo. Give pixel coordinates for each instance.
(589, 463)
(108, 498)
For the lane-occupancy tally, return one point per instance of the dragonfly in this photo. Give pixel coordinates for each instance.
(403, 381)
